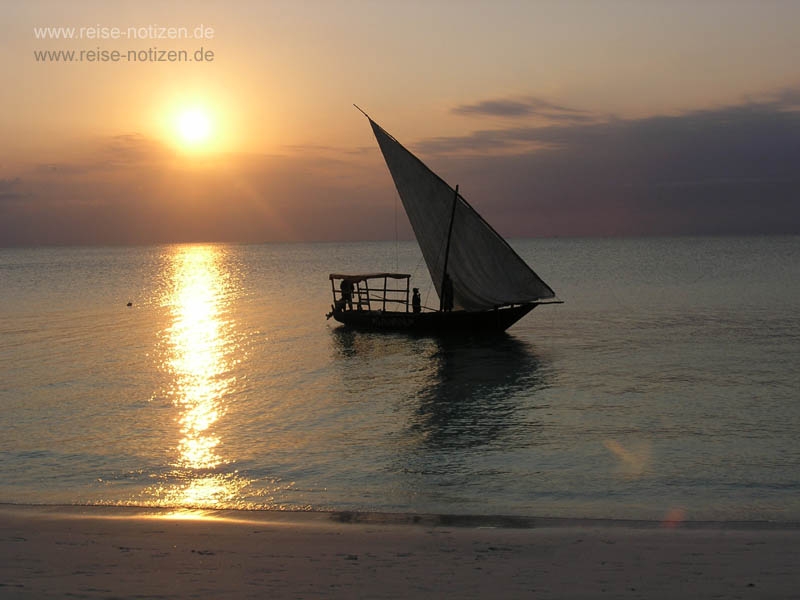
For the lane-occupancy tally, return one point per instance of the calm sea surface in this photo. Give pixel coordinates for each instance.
(667, 384)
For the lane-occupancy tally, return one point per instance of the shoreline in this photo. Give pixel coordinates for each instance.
(357, 517)
(128, 552)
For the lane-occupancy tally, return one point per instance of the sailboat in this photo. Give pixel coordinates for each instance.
(482, 283)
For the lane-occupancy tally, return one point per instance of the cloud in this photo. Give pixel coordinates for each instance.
(60, 169)
(523, 107)
(751, 140)
(132, 190)
(7, 186)
(119, 152)
(337, 152)
(129, 149)
(729, 169)
(785, 99)
(11, 190)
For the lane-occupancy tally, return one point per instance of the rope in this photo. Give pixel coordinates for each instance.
(396, 240)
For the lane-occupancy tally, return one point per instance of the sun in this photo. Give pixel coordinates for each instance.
(194, 127)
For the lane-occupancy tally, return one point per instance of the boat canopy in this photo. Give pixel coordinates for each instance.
(357, 278)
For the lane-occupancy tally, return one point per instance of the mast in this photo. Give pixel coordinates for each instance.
(445, 287)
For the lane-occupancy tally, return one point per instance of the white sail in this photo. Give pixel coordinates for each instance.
(484, 270)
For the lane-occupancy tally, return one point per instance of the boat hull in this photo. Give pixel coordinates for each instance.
(457, 321)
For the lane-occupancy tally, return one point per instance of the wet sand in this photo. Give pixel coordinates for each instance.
(92, 552)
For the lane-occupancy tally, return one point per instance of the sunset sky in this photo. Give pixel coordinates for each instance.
(555, 118)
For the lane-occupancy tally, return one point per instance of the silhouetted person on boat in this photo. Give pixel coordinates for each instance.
(447, 293)
(416, 301)
(347, 293)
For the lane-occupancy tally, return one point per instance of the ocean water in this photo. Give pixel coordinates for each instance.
(666, 386)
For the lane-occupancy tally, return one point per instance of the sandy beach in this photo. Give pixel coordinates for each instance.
(89, 552)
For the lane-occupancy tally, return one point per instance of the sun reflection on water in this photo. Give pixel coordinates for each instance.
(201, 350)
(198, 359)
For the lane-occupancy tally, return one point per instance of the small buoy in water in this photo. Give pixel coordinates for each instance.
(130, 303)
